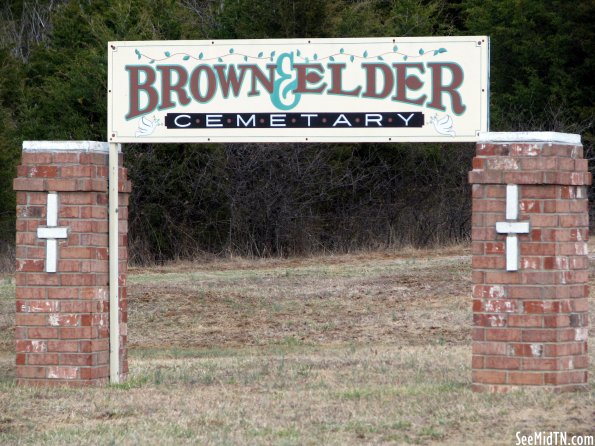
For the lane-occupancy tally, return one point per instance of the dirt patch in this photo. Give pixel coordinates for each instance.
(386, 301)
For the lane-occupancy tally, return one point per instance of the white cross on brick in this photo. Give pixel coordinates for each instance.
(52, 233)
(512, 228)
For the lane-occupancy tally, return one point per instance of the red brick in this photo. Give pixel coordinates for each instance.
(63, 346)
(62, 372)
(78, 171)
(37, 306)
(494, 247)
(80, 359)
(36, 157)
(94, 345)
(557, 320)
(61, 185)
(540, 192)
(544, 220)
(533, 177)
(533, 350)
(564, 349)
(30, 372)
(74, 279)
(64, 320)
(539, 335)
(581, 165)
(477, 334)
(489, 291)
(572, 221)
(530, 263)
(77, 333)
(502, 362)
(545, 163)
(576, 276)
(503, 334)
(62, 293)
(42, 171)
(540, 364)
(30, 293)
(568, 334)
(77, 253)
(538, 249)
(23, 319)
(488, 262)
(477, 362)
(80, 307)
(65, 158)
(541, 278)
(94, 372)
(530, 206)
(27, 346)
(94, 212)
(69, 211)
(100, 185)
(39, 279)
(84, 226)
(579, 248)
(495, 191)
(525, 320)
(43, 359)
(500, 306)
(484, 205)
(489, 348)
(490, 320)
(580, 304)
(94, 158)
(524, 292)
(29, 184)
(42, 333)
(95, 240)
(526, 378)
(79, 198)
(21, 198)
(566, 377)
(26, 238)
(489, 376)
(69, 266)
(502, 277)
(574, 362)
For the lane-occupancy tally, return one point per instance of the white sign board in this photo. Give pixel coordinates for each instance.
(308, 90)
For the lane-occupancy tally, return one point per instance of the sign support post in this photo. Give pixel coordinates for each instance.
(114, 307)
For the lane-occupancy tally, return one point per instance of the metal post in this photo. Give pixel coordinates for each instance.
(114, 301)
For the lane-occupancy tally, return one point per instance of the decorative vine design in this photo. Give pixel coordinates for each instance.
(314, 57)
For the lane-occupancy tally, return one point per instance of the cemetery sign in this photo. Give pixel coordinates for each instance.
(325, 90)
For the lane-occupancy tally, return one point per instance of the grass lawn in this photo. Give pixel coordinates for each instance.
(368, 348)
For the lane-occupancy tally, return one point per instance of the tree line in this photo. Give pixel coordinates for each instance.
(273, 199)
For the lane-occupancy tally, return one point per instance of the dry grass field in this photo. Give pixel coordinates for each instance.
(369, 348)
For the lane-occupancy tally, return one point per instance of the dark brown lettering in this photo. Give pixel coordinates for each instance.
(408, 82)
(438, 88)
(167, 86)
(337, 81)
(371, 88)
(308, 74)
(136, 87)
(195, 83)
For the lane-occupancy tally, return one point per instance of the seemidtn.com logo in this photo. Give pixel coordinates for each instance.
(553, 439)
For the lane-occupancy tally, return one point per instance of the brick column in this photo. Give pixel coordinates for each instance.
(530, 323)
(62, 319)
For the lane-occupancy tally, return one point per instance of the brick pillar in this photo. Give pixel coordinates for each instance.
(530, 323)
(62, 319)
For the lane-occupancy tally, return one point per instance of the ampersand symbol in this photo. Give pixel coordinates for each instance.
(285, 84)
